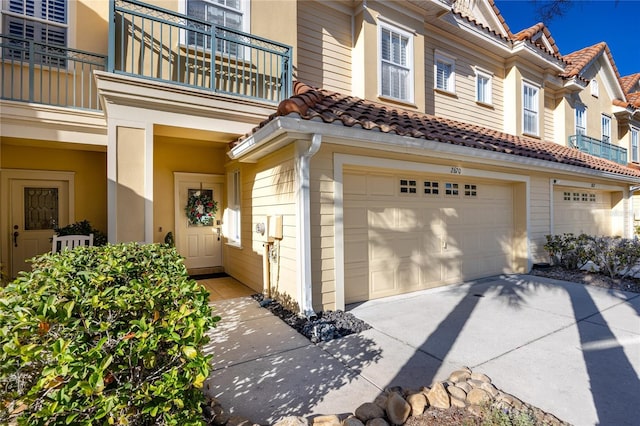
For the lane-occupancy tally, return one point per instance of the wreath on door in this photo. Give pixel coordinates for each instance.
(201, 209)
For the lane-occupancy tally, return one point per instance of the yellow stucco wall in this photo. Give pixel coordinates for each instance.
(174, 155)
(90, 169)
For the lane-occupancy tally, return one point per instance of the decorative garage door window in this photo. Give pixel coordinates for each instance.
(201, 208)
(451, 189)
(431, 188)
(470, 190)
(584, 197)
(40, 208)
(408, 186)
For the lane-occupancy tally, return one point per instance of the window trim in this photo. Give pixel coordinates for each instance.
(580, 108)
(382, 25)
(451, 80)
(245, 7)
(489, 77)
(536, 103)
(634, 149)
(233, 225)
(605, 119)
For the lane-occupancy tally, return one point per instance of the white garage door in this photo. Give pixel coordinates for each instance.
(404, 233)
(580, 211)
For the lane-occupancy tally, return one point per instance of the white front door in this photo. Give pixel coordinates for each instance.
(37, 207)
(200, 243)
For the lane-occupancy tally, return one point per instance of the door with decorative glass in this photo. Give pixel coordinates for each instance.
(37, 208)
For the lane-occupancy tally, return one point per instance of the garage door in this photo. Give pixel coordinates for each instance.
(406, 233)
(581, 211)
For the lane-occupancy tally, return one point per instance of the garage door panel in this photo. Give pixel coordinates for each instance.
(582, 211)
(417, 240)
(355, 185)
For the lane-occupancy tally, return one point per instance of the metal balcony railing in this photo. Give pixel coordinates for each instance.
(48, 74)
(155, 43)
(599, 148)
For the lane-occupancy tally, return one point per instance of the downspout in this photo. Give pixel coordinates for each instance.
(303, 219)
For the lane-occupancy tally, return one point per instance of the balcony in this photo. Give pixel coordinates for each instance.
(47, 74)
(599, 148)
(153, 43)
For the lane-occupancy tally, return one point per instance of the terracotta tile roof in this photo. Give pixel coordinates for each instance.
(579, 59)
(500, 17)
(529, 33)
(627, 82)
(634, 99)
(331, 107)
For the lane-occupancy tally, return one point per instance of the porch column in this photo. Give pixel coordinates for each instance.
(130, 182)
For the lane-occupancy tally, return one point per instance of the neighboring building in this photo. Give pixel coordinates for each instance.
(424, 143)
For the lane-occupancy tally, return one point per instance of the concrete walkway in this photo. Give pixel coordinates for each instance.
(569, 349)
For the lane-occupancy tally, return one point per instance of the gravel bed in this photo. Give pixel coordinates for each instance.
(327, 325)
(588, 278)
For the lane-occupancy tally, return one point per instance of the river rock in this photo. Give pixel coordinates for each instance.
(478, 397)
(459, 376)
(352, 421)
(398, 409)
(329, 420)
(377, 422)
(292, 421)
(438, 396)
(369, 411)
(457, 392)
(418, 402)
(481, 377)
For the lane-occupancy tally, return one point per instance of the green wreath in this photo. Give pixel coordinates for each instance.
(201, 209)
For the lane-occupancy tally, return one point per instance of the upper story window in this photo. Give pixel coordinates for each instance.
(581, 120)
(226, 13)
(606, 128)
(445, 73)
(634, 144)
(595, 90)
(483, 87)
(396, 63)
(41, 21)
(530, 109)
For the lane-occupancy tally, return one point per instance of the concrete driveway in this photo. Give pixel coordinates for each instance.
(569, 349)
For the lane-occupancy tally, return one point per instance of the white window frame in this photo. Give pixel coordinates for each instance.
(533, 109)
(595, 89)
(449, 84)
(606, 128)
(234, 208)
(244, 9)
(484, 96)
(407, 67)
(581, 119)
(635, 138)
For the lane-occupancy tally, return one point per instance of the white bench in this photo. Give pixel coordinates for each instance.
(66, 242)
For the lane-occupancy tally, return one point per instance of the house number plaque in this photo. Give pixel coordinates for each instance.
(456, 170)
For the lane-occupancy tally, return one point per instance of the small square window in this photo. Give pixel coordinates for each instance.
(408, 186)
(451, 188)
(431, 188)
(576, 196)
(592, 198)
(470, 191)
(585, 197)
(567, 196)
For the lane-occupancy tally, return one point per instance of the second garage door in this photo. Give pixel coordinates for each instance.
(405, 233)
(581, 211)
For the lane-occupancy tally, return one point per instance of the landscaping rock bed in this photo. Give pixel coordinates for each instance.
(464, 398)
(327, 325)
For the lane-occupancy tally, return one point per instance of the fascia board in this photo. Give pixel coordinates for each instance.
(358, 137)
(490, 41)
(525, 49)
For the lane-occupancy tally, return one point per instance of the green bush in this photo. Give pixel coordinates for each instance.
(83, 228)
(104, 335)
(568, 250)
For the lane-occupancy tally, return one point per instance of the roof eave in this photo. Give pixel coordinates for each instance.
(258, 145)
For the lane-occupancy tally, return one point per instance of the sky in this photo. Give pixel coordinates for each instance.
(585, 23)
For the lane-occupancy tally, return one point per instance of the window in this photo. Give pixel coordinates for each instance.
(530, 109)
(483, 87)
(445, 73)
(576, 196)
(451, 188)
(41, 21)
(581, 120)
(634, 144)
(396, 73)
(592, 198)
(606, 128)
(567, 196)
(595, 90)
(431, 188)
(226, 13)
(470, 190)
(408, 186)
(233, 206)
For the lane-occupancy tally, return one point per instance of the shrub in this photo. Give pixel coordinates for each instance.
(107, 335)
(83, 228)
(568, 250)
